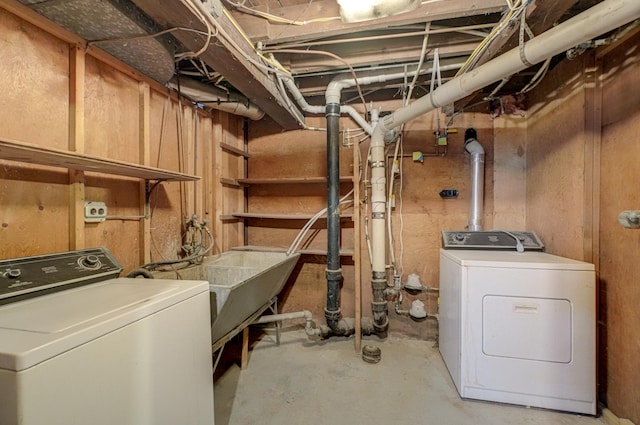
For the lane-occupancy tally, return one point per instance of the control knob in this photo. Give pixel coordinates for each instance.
(90, 262)
(13, 273)
(459, 237)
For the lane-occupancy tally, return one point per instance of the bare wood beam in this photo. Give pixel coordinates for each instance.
(304, 64)
(76, 144)
(220, 54)
(144, 145)
(259, 29)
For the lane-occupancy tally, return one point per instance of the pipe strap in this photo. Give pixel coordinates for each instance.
(377, 215)
(377, 164)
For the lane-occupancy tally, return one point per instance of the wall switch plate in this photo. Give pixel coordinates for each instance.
(94, 212)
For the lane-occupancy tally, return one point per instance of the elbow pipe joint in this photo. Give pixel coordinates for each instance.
(471, 143)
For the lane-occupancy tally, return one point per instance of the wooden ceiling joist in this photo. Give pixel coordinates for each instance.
(224, 57)
(260, 29)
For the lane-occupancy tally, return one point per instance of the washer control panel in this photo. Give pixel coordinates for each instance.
(491, 240)
(27, 277)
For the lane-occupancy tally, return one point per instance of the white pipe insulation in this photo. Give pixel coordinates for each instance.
(340, 82)
(597, 20)
(215, 98)
(320, 109)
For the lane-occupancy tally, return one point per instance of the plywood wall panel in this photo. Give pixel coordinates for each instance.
(424, 212)
(122, 198)
(556, 161)
(620, 247)
(34, 75)
(111, 113)
(510, 173)
(34, 210)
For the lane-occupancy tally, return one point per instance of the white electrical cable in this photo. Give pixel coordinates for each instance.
(303, 232)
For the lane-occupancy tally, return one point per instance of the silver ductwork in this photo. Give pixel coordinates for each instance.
(475, 149)
(115, 27)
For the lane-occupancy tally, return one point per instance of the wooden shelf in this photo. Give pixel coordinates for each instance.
(230, 182)
(17, 151)
(234, 150)
(276, 216)
(343, 252)
(291, 180)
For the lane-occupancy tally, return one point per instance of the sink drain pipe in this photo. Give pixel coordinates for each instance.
(306, 314)
(333, 271)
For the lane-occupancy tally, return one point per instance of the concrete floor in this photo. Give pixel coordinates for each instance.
(327, 382)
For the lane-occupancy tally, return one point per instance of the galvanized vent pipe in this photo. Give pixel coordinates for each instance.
(476, 151)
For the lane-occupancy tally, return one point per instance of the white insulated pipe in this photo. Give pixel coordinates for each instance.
(215, 98)
(597, 20)
(320, 109)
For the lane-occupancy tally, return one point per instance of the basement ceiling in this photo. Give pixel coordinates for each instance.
(233, 45)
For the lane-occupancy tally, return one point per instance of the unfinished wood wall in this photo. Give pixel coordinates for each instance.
(424, 213)
(582, 156)
(60, 96)
(620, 247)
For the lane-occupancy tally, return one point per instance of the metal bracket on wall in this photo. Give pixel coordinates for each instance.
(630, 219)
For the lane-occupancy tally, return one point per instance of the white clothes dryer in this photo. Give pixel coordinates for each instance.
(519, 327)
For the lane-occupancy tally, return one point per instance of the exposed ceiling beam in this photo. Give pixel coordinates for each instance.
(224, 57)
(541, 16)
(259, 29)
(304, 64)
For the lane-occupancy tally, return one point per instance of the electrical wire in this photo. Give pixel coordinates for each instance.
(323, 53)
(303, 232)
(278, 19)
(145, 36)
(195, 8)
(515, 9)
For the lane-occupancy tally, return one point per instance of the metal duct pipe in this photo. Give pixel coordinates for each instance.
(215, 98)
(333, 271)
(476, 150)
(599, 19)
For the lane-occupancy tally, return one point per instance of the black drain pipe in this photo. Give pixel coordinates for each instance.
(333, 271)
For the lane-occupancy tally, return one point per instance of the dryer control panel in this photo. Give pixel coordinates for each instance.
(491, 240)
(27, 277)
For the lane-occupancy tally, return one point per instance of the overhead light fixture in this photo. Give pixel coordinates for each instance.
(364, 10)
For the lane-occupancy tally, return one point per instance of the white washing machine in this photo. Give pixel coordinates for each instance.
(118, 351)
(519, 327)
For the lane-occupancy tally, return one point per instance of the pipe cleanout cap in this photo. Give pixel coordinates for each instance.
(470, 133)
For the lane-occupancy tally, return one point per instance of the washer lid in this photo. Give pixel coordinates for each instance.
(38, 329)
(513, 259)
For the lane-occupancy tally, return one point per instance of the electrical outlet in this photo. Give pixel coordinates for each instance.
(94, 212)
